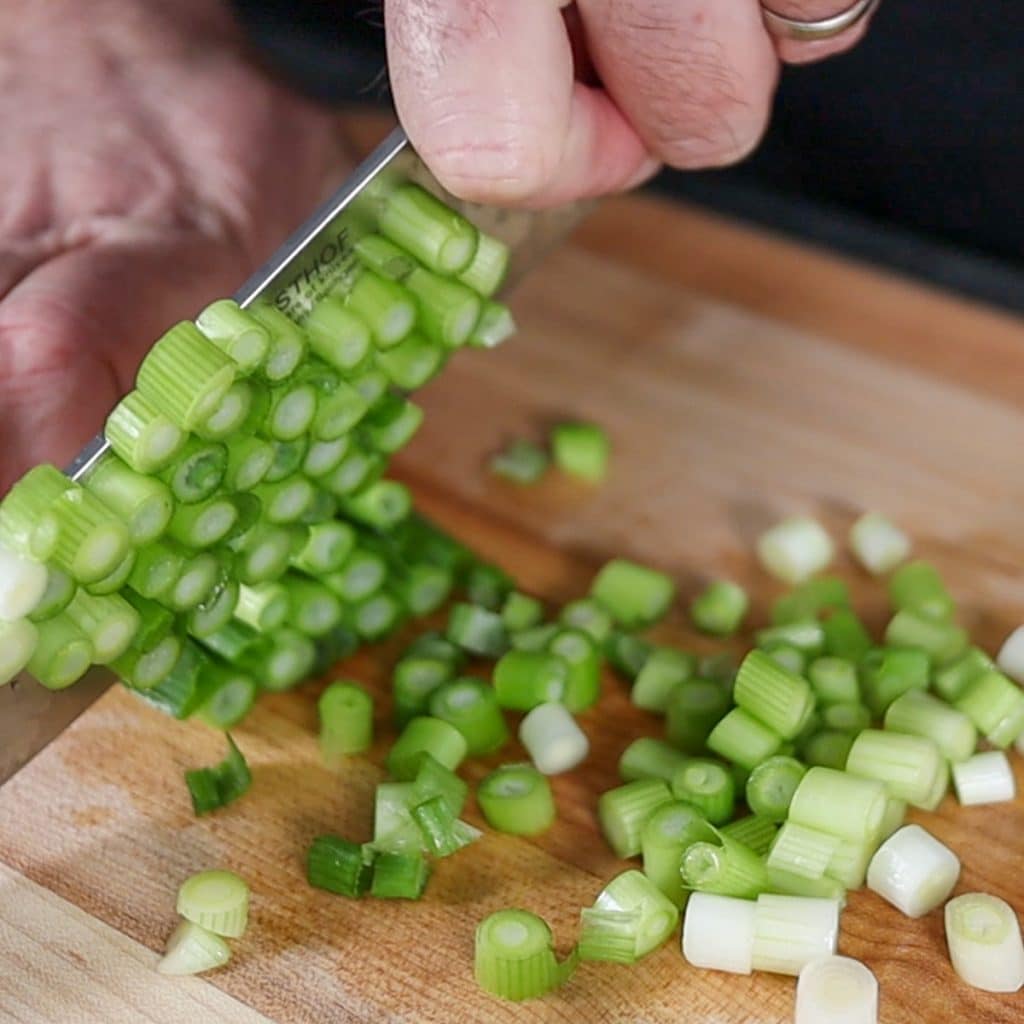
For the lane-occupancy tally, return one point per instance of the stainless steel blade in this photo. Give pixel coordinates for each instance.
(317, 258)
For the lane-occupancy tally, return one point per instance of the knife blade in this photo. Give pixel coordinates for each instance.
(316, 259)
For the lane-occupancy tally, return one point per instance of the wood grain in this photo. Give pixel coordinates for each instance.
(733, 395)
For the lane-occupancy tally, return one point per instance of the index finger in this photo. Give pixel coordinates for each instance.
(485, 90)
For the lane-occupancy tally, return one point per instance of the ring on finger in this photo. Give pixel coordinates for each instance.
(824, 28)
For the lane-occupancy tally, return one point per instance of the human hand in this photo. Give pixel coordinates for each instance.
(149, 166)
(499, 99)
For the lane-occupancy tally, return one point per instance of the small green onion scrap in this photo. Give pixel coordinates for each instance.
(216, 787)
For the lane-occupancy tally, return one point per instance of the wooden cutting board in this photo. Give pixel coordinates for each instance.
(741, 378)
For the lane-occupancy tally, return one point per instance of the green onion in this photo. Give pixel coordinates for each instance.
(943, 642)
(795, 549)
(193, 950)
(791, 658)
(216, 787)
(197, 472)
(204, 523)
(487, 585)
(695, 707)
(793, 931)
(708, 786)
(888, 673)
(326, 548)
(920, 714)
(995, 706)
(718, 932)
(552, 738)
(495, 326)
(62, 654)
(18, 640)
(339, 644)
(854, 717)
(580, 655)
(918, 586)
(913, 871)
(647, 758)
(589, 617)
(806, 637)
(845, 636)
(175, 692)
(623, 812)
(288, 458)
(337, 335)
(385, 306)
(198, 579)
(314, 609)
(525, 679)
(434, 779)
(513, 956)
(720, 609)
(291, 410)
(264, 606)
(447, 311)
(984, 941)
(412, 362)
(442, 832)
(834, 681)
(662, 673)
(262, 554)
(110, 623)
(381, 505)
(833, 801)
(786, 883)
(478, 631)
(346, 721)
(536, 638)
(144, 504)
(416, 678)
(227, 695)
(520, 611)
(425, 735)
(836, 988)
(828, 748)
(428, 230)
(812, 600)
(25, 505)
(236, 333)
(985, 778)
(486, 273)
(950, 682)
(725, 867)
(630, 918)
(144, 669)
(287, 343)
(907, 765)
(217, 901)
(802, 851)
(521, 462)
(377, 616)
(771, 786)
(666, 836)
(394, 828)
(286, 662)
(1011, 655)
(399, 876)
(286, 501)
(19, 582)
(753, 831)
(472, 707)
(516, 798)
(341, 867)
(142, 435)
(582, 450)
(233, 412)
(744, 739)
(634, 595)
(386, 258)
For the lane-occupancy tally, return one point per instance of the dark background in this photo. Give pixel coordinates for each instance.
(908, 151)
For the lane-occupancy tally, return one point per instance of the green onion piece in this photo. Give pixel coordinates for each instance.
(62, 654)
(346, 721)
(707, 786)
(623, 812)
(337, 334)
(918, 586)
(525, 679)
(286, 501)
(839, 803)
(232, 414)
(386, 258)
(536, 638)
(217, 901)
(286, 662)
(943, 642)
(115, 580)
(193, 950)
(984, 941)
(434, 779)
(433, 644)
(792, 931)
(25, 505)
(447, 311)
(834, 681)
(744, 739)
(985, 778)
(22, 591)
(806, 637)
(204, 523)
(913, 871)
(394, 828)
(520, 611)
(836, 988)
(720, 608)
(141, 435)
(888, 673)
(196, 582)
(385, 306)
(261, 555)
(425, 735)
(893, 818)
(668, 833)
(362, 574)
(428, 230)
(795, 549)
(695, 707)
(481, 632)
(412, 362)
(144, 669)
(787, 883)
(634, 595)
(552, 738)
(582, 450)
(185, 375)
(341, 867)
(486, 273)
(381, 505)
(854, 717)
(845, 636)
(771, 786)
(399, 876)
(197, 472)
(718, 932)
(287, 342)
(811, 600)
(377, 616)
(631, 917)
(647, 758)
(589, 617)
(264, 606)
(326, 548)
(323, 457)
(216, 787)
(517, 799)
(753, 831)
(950, 682)
(791, 658)
(416, 677)
(487, 586)
(920, 714)
(995, 706)
(1011, 655)
(291, 411)
(288, 458)
(236, 333)
(338, 411)
(421, 541)
(495, 326)
(144, 504)
(802, 851)
(663, 671)
(906, 765)
(339, 644)
(227, 695)
(18, 641)
(175, 691)
(521, 462)
(442, 832)
(513, 956)
(110, 623)
(827, 748)
(580, 656)
(473, 708)
(725, 867)
(314, 609)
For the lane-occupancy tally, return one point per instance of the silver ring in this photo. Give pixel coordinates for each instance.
(807, 31)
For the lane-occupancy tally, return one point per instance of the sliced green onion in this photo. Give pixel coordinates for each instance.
(832, 801)
(288, 456)
(743, 739)
(1010, 658)
(720, 608)
(399, 876)
(486, 273)
(792, 931)
(803, 851)
(487, 585)
(791, 658)
(834, 681)
(322, 457)
(806, 637)
(836, 990)
(425, 735)
(176, 692)
(577, 651)
(478, 631)
(718, 933)
(495, 326)
(516, 798)
(919, 587)
(771, 786)
(286, 501)
(888, 673)
(216, 787)
(145, 669)
(634, 595)
(726, 867)
(286, 662)
(943, 642)
(795, 549)
(415, 679)
(381, 505)
(394, 828)
(630, 918)
(788, 884)
(291, 412)
(778, 698)
(521, 462)
(143, 503)
(812, 599)
(582, 450)
(589, 617)
(287, 342)
(647, 758)
(412, 362)
(19, 591)
(237, 333)
(849, 862)
(852, 717)
(62, 654)
(142, 435)
(434, 779)
(536, 638)
(341, 867)
(984, 941)
(204, 523)
(338, 335)
(264, 606)
(442, 832)
(363, 573)
(920, 714)
(878, 545)
(427, 229)
(25, 505)
(950, 682)
(666, 836)
(845, 636)
(662, 673)
(377, 616)
(995, 706)
(346, 721)
(913, 871)
(695, 707)
(197, 472)
(756, 832)
(386, 258)
(552, 738)
(384, 305)
(447, 311)
(109, 622)
(231, 414)
(520, 611)
(262, 555)
(193, 950)
(623, 812)
(472, 707)
(907, 765)
(314, 609)
(708, 786)
(985, 778)
(18, 641)
(513, 956)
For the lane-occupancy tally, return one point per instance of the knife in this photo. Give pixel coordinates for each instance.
(317, 258)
